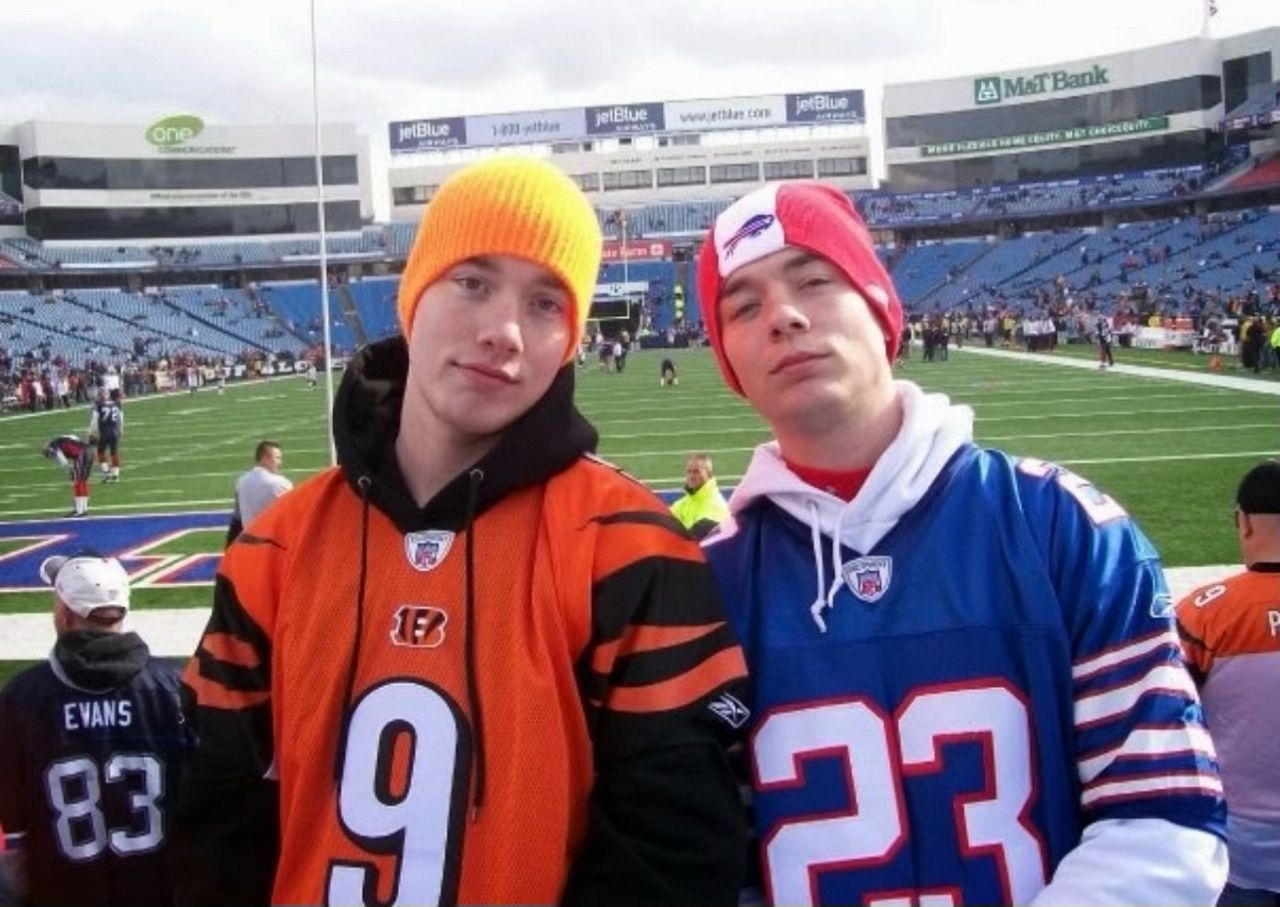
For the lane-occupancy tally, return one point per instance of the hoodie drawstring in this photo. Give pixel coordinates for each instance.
(815, 531)
(475, 477)
(824, 600)
(838, 580)
(364, 483)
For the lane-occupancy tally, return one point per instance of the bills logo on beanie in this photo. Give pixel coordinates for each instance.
(808, 215)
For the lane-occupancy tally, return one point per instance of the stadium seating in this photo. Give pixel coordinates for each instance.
(232, 312)
(298, 303)
(51, 323)
(375, 300)
(922, 268)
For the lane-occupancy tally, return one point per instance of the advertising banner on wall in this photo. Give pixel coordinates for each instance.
(726, 113)
(621, 119)
(1049, 137)
(635, 250)
(826, 107)
(527, 128)
(421, 135)
(585, 123)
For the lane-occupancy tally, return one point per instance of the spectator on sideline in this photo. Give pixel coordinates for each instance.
(258, 487)
(702, 507)
(953, 653)
(1231, 635)
(91, 748)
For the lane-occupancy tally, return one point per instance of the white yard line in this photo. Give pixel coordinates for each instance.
(1229, 382)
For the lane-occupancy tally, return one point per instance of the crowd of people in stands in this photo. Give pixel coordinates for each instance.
(33, 384)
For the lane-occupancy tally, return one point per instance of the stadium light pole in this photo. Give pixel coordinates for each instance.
(324, 244)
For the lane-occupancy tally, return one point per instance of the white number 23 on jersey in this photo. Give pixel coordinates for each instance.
(879, 750)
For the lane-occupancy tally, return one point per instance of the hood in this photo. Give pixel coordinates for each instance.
(99, 660)
(366, 421)
(708, 489)
(931, 433)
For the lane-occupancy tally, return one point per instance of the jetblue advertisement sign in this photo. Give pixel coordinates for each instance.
(826, 107)
(415, 135)
(618, 119)
(574, 124)
(527, 128)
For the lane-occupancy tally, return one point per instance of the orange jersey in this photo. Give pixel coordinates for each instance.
(597, 640)
(1231, 635)
(1238, 616)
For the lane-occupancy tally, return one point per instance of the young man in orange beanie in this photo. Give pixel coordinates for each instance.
(472, 664)
(966, 679)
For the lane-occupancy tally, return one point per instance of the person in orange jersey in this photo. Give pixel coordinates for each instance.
(1231, 635)
(473, 664)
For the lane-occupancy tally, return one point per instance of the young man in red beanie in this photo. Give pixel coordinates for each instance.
(472, 664)
(966, 684)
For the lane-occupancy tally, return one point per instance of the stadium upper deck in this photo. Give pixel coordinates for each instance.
(176, 179)
(1149, 108)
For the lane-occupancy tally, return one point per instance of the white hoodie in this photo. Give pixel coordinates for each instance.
(932, 431)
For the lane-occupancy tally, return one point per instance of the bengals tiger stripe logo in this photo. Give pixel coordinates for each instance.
(418, 626)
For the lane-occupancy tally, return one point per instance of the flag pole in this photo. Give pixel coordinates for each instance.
(324, 252)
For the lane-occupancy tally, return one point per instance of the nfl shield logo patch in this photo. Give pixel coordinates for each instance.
(426, 550)
(868, 577)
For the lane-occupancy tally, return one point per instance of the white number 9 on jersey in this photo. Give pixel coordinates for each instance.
(410, 723)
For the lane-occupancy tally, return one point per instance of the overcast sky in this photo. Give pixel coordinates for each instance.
(249, 61)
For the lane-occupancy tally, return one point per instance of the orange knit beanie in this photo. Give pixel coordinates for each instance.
(518, 206)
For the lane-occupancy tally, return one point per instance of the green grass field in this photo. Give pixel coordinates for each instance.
(1171, 452)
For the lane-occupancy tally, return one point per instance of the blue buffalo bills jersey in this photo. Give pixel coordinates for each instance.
(88, 781)
(939, 716)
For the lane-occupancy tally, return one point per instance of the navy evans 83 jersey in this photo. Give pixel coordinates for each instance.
(89, 778)
(999, 672)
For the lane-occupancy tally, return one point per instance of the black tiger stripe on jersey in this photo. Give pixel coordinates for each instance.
(687, 597)
(643, 518)
(644, 668)
(249, 538)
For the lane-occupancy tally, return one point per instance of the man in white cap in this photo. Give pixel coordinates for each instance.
(966, 682)
(91, 743)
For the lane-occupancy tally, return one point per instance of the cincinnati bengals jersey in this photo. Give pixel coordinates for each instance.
(598, 642)
(1231, 635)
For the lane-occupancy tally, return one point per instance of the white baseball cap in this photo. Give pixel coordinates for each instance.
(86, 582)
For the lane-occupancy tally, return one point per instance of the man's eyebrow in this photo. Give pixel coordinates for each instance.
(799, 258)
(733, 285)
(483, 262)
(550, 282)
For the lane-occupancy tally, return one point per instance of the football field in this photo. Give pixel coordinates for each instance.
(1169, 451)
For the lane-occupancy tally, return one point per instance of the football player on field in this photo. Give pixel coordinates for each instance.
(76, 457)
(967, 688)
(106, 429)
